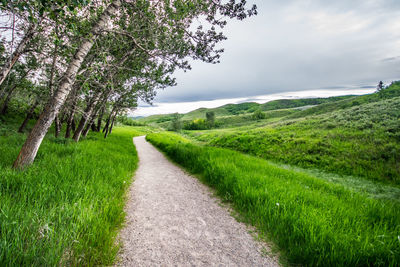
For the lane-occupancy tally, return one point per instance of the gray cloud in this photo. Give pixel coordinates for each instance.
(296, 45)
(391, 58)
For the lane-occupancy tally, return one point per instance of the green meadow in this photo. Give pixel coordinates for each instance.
(312, 221)
(318, 179)
(65, 209)
(358, 136)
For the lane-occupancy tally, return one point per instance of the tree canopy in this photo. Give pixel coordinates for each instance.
(97, 58)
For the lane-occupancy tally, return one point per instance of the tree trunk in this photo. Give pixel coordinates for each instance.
(100, 118)
(57, 127)
(89, 125)
(35, 138)
(108, 121)
(69, 123)
(70, 119)
(93, 127)
(28, 116)
(112, 123)
(86, 116)
(73, 125)
(106, 125)
(51, 86)
(5, 70)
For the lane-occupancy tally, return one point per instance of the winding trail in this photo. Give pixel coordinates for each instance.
(174, 220)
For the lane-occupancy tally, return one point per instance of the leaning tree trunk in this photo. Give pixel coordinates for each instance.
(87, 128)
(108, 121)
(107, 124)
(29, 149)
(100, 118)
(70, 119)
(28, 116)
(93, 127)
(58, 122)
(51, 86)
(102, 110)
(85, 117)
(112, 122)
(57, 127)
(90, 124)
(5, 70)
(73, 125)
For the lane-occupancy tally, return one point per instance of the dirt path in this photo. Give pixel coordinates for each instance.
(173, 220)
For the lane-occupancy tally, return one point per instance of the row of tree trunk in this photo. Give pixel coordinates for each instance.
(91, 118)
(31, 146)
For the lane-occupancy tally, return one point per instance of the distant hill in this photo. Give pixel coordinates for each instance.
(243, 109)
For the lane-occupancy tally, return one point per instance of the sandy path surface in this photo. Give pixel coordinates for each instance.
(173, 220)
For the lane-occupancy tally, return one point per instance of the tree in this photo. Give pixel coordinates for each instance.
(27, 18)
(380, 86)
(210, 115)
(176, 123)
(31, 146)
(258, 115)
(159, 39)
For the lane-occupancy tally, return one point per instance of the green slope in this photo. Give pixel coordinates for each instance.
(314, 222)
(230, 111)
(356, 136)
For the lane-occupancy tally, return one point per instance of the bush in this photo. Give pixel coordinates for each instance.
(258, 115)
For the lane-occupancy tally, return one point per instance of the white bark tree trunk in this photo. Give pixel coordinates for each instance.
(35, 138)
(85, 117)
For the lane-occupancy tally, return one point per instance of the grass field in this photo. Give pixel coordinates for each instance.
(311, 220)
(357, 136)
(67, 208)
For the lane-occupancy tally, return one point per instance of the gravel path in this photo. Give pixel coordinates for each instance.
(173, 220)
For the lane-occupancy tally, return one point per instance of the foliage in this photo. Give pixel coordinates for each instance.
(380, 86)
(65, 209)
(197, 124)
(129, 121)
(176, 123)
(313, 222)
(258, 115)
(235, 109)
(210, 118)
(295, 103)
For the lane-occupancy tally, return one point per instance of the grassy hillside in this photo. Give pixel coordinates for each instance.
(390, 92)
(314, 222)
(294, 103)
(231, 110)
(356, 136)
(67, 207)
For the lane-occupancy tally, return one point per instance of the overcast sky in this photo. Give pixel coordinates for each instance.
(338, 46)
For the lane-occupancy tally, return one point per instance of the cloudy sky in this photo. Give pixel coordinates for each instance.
(294, 48)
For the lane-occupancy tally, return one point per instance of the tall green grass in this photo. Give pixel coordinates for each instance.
(67, 207)
(362, 140)
(312, 221)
